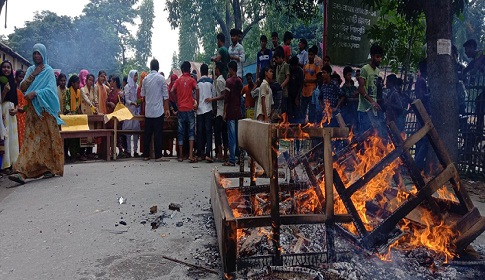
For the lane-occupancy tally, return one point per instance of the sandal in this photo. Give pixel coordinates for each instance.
(209, 160)
(17, 178)
(192, 160)
(227, 163)
(180, 159)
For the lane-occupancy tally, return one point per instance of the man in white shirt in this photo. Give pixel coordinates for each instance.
(236, 51)
(154, 91)
(220, 128)
(206, 90)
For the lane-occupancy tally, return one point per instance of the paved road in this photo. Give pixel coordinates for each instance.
(69, 227)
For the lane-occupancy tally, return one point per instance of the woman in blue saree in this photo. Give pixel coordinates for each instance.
(42, 153)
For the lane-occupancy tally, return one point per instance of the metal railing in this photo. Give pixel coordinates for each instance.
(471, 135)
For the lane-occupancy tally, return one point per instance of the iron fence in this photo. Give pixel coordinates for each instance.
(471, 135)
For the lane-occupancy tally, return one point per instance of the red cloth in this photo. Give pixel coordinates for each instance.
(172, 97)
(287, 51)
(21, 117)
(184, 86)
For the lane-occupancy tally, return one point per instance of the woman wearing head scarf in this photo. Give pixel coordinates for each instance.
(130, 92)
(83, 75)
(42, 152)
(9, 111)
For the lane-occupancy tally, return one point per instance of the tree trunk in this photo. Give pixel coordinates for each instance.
(2, 2)
(441, 74)
(237, 14)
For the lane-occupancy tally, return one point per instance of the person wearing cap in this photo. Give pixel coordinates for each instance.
(287, 37)
(302, 53)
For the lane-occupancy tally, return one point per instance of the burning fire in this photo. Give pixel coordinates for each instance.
(424, 233)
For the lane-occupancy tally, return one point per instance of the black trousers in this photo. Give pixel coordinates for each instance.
(153, 126)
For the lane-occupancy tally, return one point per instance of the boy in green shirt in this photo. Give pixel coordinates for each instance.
(368, 89)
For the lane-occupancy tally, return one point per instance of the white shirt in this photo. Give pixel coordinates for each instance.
(154, 89)
(238, 51)
(220, 87)
(206, 90)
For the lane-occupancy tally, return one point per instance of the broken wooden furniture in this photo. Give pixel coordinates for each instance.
(261, 142)
(461, 214)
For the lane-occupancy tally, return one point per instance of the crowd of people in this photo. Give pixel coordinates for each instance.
(298, 88)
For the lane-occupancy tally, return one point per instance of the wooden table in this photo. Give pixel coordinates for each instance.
(169, 126)
(105, 133)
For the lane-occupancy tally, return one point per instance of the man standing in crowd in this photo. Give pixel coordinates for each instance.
(310, 71)
(477, 57)
(295, 87)
(282, 76)
(232, 112)
(186, 105)
(275, 41)
(222, 53)
(249, 103)
(236, 52)
(154, 91)
(287, 37)
(368, 89)
(264, 57)
(302, 53)
(204, 115)
(220, 128)
(329, 97)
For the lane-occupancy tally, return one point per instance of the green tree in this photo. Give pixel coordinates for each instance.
(54, 31)
(143, 38)
(175, 61)
(115, 16)
(228, 14)
(402, 38)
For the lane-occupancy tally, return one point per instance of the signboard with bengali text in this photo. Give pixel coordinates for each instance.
(348, 22)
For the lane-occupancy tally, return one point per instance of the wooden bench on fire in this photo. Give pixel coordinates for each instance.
(370, 193)
(458, 214)
(261, 142)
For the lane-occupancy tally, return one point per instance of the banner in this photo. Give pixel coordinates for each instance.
(348, 21)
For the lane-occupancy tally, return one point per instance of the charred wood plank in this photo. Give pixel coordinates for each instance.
(441, 153)
(294, 219)
(275, 199)
(329, 203)
(471, 234)
(314, 181)
(376, 169)
(380, 233)
(349, 205)
(408, 160)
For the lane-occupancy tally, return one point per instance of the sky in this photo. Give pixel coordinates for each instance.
(164, 39)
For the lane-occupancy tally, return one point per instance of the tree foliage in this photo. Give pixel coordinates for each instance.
(402, 37)
(99, 39)
(143, 40)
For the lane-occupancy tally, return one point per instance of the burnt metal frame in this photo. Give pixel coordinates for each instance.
(470, 224)
(227, 224)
